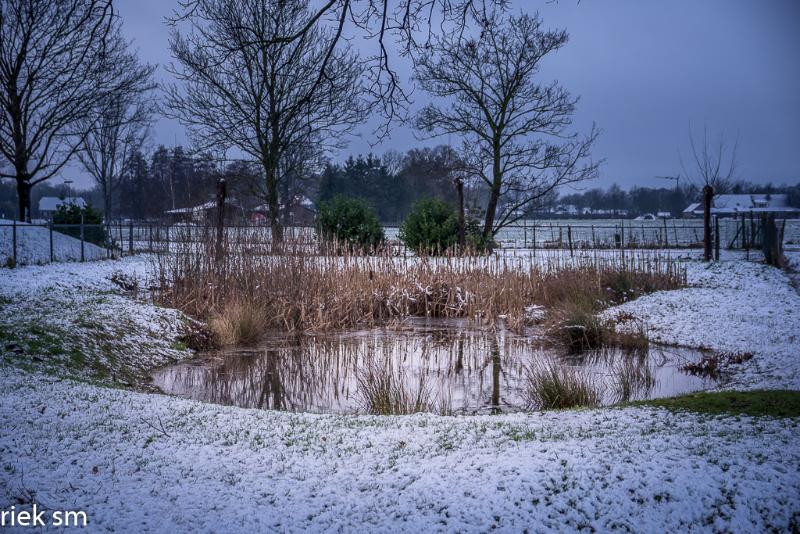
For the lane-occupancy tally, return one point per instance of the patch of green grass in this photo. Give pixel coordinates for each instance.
(774, 403)
(179, 345)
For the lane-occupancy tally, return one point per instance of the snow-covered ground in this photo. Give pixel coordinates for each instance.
(734, 307)
(150, 463)
(33, 245)
(70, 319)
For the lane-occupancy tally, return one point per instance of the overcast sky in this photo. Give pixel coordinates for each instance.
(645, 71)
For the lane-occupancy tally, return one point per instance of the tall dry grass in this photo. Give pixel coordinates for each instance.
(554, 386)
(385, 390)
(298, 290)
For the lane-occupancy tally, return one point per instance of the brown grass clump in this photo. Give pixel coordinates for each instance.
(298, 290)
(385, 391)
(238, 323)
(552, 386)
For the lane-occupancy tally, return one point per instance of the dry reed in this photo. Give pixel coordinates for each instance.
(298, 290)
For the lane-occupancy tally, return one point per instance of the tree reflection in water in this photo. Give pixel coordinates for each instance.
(470, 370)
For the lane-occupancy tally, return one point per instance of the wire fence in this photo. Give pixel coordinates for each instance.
(22, 243)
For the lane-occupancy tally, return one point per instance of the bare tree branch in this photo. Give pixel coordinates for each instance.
(408, 24)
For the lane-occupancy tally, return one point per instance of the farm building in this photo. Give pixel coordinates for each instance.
(732, 205)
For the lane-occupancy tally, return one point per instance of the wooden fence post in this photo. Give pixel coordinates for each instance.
(708, 195)
(83, 258)
(569, 238)
(221, 193)
(52, 256)
(14, 242)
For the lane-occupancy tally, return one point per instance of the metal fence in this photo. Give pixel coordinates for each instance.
(22, 243)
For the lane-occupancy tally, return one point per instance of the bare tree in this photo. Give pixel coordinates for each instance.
(401, 26)
(51, 54)
(246, 88)
(514, 128)
(712, 168)
(119, 124)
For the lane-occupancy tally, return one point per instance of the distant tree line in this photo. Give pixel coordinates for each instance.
(391, 184)
(172, 178)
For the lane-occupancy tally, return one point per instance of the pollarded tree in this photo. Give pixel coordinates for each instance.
(712, 170)
(515, 129)
(245, 87)
(51, 77)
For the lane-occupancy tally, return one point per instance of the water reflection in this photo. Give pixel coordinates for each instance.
(466, 369)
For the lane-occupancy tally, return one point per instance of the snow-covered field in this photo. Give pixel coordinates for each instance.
(150, 463)
(33, 245)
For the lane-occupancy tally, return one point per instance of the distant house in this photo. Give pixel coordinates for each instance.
(566, 209)
(207, 213)
(733, 205)
(48, 206)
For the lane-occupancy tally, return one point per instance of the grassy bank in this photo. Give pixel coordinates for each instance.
(774, 403)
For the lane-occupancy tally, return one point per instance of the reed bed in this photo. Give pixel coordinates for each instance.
(302, 291)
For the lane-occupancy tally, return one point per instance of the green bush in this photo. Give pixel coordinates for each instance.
(349, 223)
(431, 227)
(93, 232)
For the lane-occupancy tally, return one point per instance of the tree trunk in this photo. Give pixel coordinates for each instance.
(107, 201)
(494, 197)
(708, 195)
(491, 211)
(272, 203)
(24, 198)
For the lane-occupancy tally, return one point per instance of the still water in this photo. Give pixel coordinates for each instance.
(462, 369)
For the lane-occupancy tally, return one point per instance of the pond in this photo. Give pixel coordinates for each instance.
(445, 366)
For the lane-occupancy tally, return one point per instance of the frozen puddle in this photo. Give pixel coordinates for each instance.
(459, 368)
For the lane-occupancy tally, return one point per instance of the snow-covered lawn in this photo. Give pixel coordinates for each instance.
(149, 463)
(33, 245)
(70, 319)
(145, 462)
